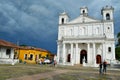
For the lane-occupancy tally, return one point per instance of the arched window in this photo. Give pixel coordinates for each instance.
(8, 51)
(80, 31)
(107, 16)
(97, 30)
(83, 11)
(83, 31)
(71, 32)
(62, 21)
(25, 56)
(39, 56)
(31, 57)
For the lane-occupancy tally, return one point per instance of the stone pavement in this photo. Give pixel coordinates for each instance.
(46, 75)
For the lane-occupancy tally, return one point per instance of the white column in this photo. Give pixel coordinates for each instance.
(94, 54)
(71, 53)
(64, 50)
(12, 55)
(104, 52)
(58, 53)
(76, 54)
(113, 51)
(88, 53)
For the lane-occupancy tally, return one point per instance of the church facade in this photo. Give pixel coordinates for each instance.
(86, 40)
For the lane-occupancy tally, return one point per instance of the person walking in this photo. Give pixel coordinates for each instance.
(55, 60)
(104, 67)
(40, 61)
(100, 68)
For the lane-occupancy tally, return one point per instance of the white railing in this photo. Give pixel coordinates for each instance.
(84, 36)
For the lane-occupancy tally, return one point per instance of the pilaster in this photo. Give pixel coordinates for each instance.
(113, 51)
(76, 54)
(88, 52)
(58, 53)
(71, 53)
(64, 50)
(94, 54)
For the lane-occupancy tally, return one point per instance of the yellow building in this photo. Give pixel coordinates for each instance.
(32, 55)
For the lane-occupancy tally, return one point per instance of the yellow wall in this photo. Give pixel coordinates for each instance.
(35, 55)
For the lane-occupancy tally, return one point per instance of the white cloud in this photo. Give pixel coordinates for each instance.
(39, 9)
(39, 18)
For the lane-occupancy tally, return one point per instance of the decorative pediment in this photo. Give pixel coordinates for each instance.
(83, 19)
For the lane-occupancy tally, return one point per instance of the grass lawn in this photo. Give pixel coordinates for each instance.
(83, 76)
(10, 71)
(74, 73)
(85, 73)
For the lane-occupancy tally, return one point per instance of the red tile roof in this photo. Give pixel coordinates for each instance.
(32, 48)
(4, 43)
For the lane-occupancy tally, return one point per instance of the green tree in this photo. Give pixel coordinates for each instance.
(117, 49)
(117, 53)
(118, 37)
(24, 45)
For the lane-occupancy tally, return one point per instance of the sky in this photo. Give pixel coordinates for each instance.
(35, 22)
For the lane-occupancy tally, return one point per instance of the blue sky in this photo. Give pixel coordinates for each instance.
(35, 22)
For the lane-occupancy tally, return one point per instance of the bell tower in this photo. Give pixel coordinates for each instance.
(107, 13)
(84, 11)
(63, 18)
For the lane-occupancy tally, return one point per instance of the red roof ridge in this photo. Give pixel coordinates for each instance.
(7, 44)
(34, 48)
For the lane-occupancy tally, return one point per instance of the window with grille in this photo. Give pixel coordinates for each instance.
(8, 51)
(109, 49)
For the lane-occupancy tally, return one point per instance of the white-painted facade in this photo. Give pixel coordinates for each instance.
(6, 55)
(85, 39)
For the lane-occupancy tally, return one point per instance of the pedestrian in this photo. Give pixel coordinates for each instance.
(40, 61)
(100, 68)
(104, 67)
(55, 63)
(55, 60)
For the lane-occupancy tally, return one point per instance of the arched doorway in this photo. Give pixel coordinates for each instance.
(98, 59)
(83, 55)
(68, 58)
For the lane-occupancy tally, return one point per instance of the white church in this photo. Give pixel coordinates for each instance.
(85, 40)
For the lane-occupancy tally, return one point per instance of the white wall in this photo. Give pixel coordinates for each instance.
(3, 53)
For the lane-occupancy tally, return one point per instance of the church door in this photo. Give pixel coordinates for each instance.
(68, 58)
(98, 59)
(83, 56)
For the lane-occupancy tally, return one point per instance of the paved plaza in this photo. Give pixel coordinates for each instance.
(74, 73)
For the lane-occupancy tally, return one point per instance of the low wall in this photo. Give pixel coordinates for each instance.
(8, 61)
